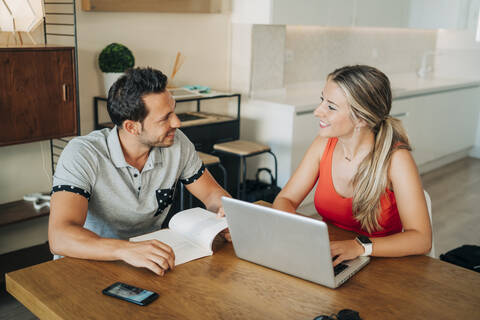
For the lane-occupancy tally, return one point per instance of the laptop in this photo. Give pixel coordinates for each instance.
(286, 242)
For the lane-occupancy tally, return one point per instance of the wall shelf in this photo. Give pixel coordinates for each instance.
(168, 6)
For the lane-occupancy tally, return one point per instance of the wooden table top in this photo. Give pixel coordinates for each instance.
(225, 287)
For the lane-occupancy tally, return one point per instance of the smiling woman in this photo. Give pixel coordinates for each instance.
(367, 180)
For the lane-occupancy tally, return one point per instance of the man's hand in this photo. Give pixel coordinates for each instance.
(220, 212)
(225, 233)
(151, 254)
(345, 250)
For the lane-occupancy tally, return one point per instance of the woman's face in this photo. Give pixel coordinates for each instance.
(334, 112)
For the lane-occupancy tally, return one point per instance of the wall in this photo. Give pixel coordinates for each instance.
(154, 38)
(313, 52)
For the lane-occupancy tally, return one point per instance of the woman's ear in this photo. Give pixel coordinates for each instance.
(360, 123)
(132, 127)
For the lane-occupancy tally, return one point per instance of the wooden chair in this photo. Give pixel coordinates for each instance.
(431, 253)
(243, 149)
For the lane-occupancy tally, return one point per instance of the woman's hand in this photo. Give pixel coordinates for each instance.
(345, 250)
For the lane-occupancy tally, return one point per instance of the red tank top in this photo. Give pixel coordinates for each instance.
(338, 210)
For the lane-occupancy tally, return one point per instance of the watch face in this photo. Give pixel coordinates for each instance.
(364, 239)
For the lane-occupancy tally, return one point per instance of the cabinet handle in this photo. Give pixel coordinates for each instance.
(65, 92)
(399, 115)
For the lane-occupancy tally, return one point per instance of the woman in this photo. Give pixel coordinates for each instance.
(367, 179)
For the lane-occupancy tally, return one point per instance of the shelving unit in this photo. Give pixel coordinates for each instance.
(203, 132)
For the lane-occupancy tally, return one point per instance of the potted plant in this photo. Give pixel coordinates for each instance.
(113, 61)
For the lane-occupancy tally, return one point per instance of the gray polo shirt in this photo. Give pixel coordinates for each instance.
(123, 202)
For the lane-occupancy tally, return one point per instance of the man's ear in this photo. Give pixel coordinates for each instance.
(132, 127)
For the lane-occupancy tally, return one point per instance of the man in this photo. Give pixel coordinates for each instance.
(111, 185)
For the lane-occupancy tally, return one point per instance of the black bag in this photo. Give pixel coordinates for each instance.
(258, 190)
(467, 256)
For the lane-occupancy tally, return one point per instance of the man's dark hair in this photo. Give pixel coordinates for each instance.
(125, 95)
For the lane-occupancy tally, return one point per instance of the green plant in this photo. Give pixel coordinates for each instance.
(115, 58)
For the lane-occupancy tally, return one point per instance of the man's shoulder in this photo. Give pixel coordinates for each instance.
(94, 142)
(181, 140)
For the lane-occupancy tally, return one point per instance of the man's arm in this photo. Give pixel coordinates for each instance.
(68, 237)
(207, 190)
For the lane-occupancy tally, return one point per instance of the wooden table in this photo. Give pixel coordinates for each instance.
(225, 287)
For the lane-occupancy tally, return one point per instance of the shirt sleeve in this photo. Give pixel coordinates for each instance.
(76, 169)
(193, 167)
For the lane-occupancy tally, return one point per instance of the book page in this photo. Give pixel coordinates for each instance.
(198, 225)
(184, 249)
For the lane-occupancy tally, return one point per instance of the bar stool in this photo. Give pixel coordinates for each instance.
(208, 161)
(243, 150)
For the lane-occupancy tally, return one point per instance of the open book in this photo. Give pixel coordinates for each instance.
(190, 234)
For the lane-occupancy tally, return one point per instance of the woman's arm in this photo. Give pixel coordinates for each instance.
(412, 208)
(303, 179)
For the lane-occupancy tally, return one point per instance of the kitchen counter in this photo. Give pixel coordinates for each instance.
(304, 97)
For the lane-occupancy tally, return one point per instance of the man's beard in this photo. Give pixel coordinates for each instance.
(155, 143)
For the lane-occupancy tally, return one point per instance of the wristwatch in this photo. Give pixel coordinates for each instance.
(366, 243)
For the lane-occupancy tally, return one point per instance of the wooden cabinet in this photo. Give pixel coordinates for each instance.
(37, 94)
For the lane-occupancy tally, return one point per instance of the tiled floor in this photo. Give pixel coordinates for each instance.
(455, 193)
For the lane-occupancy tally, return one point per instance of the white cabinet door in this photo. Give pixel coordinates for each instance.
(419, 14)
(294, 12)
(439, 124)
(313, 12)
(305, 129)
(440, 14)
(382, 13)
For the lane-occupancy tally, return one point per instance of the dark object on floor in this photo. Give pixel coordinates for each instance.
(23, 258)
(467, 256)
(345, 314)
(258, 190)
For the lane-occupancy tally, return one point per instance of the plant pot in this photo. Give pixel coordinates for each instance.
(109, 79)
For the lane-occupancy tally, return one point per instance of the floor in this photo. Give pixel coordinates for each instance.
(455, 193)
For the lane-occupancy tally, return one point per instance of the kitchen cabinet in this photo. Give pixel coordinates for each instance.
(442, 14)
(299, 12)
(440, 123)
(417, 14)
(37, 94)
(382, 13)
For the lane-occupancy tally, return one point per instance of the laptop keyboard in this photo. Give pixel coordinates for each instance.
(339, 268)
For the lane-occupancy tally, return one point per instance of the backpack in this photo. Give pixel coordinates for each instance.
(467, 256)
(259, 190)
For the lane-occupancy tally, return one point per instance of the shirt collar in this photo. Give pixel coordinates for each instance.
(116, 153)
(154, 158)
(118, 158)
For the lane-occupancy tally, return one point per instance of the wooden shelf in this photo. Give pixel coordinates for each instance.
(169, 6)
(18, 211)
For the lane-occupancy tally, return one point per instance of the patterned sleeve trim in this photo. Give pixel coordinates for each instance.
(73, 189)
(194, 177)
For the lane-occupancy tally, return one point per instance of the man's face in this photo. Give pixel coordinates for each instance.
(158, 129)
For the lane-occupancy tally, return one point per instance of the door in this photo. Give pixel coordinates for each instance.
(37, 94)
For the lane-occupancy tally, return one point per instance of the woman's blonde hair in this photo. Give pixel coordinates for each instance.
(368, 92)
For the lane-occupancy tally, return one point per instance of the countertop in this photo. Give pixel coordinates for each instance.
(304, 97)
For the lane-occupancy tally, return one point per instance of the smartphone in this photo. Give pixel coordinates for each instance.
(130, 293)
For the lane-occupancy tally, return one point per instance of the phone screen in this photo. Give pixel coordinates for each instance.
(130, 293)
